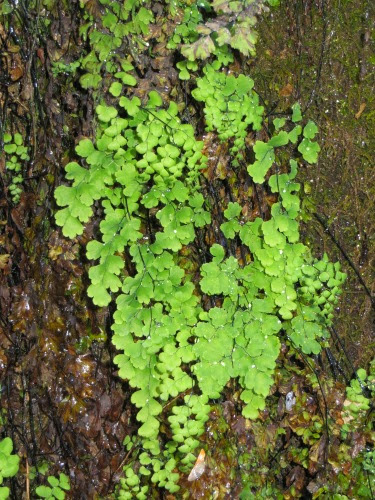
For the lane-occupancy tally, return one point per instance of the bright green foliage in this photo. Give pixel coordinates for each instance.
(307, 288)
(6, 8)
(187, 423)
(141, 174)
(261, 299)
(360, 401)
(369, 464)
(130, 486)
(168, 344)
(4, 492)
(57, 487)
(321, 285)
(184, 426)
(231, 227)
(265, 152)
(265, 157)
(308, 148)
(62, 68)
(237, 342)
(16, 155)
(297, 115)
(185, 67)
(287, 189)
(231, 106)
(8, 465)
(186, 32)
(135, 166)
(121, 21)
(279, 122)
(223, 55)
(158, 147)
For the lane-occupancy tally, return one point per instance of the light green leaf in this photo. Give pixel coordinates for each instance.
(131, 105)
(154, 100)
(150, 428)
(106, 113)
(10, 468)
(71, 225)
(10, 148)
(115, 89)
(99, 295)
(265, 157)
(281, 139)
(309, 150)
(310, 130)
(297, 115)
(179, 192)
(6, 446)
(44, 491)
(150, 408)
(233, 210)
(126, 65)
(218, 252)
(85, 147)
(18, 139)
(58, 493)
(294, 134)
(64, 481)
(230, 229)
(128, 79)
(90, 81)
(4, 492)
(278, 123)
(53, 481)
(254, 404)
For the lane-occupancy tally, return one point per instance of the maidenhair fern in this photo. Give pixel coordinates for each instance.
(231, 106)
(120, 21)
(141, 176)
(233, 26)
(17, 154)
(9, 464)
(56, 488)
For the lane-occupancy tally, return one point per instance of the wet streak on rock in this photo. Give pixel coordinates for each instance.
(60, 398)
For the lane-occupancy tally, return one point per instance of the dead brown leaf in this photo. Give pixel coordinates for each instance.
(286, 91)
(362, 107)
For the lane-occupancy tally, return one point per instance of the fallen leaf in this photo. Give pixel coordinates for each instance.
(199, 467)
(362, 107)
(286, 91)
(13, 49)
(16, 73)
(4, 260)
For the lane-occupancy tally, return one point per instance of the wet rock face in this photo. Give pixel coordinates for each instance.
(67, 403)
(323, 58)
(60, 397)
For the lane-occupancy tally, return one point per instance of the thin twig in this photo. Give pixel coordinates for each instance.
(27, 480)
